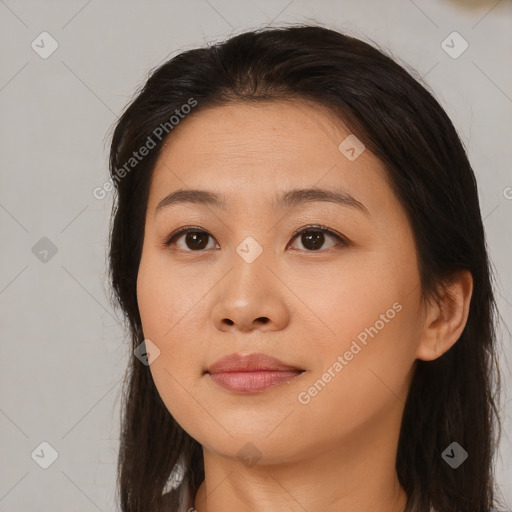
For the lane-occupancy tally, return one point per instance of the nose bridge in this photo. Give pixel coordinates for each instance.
(250, 260)
(251, 249)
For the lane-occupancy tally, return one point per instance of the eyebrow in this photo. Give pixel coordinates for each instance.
(288, 199)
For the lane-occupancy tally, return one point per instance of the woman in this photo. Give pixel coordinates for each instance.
(298, 248)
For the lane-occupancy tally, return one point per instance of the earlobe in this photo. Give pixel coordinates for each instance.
(445, 320)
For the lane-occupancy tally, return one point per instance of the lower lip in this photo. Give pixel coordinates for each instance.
(249, 382)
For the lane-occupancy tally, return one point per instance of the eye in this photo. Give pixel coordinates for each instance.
(313, 237)
(196, 239)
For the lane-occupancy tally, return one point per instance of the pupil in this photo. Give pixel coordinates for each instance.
(316, 240)
(195, 236)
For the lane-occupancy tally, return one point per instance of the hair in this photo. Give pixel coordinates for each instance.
(452, 398)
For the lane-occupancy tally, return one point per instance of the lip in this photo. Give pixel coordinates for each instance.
(251, 373)
(249, 363)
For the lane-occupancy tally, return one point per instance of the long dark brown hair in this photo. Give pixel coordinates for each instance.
(452, 398)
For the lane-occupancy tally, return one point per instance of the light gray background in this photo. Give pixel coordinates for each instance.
(63, 352)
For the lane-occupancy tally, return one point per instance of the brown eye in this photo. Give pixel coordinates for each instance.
(196, 239)
(193, 239)
(313, 237)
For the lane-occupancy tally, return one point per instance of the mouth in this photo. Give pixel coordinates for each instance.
(253, 381)
(251, 373)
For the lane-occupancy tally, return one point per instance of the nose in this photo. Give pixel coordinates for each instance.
(250, 297)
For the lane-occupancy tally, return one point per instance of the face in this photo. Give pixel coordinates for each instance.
(327, 287)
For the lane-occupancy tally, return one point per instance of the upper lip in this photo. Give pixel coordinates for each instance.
(247, 363)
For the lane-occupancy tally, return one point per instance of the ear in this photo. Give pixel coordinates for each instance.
(445, 320)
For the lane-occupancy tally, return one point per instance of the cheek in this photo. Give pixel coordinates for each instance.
(351, 304)
(167, 316)
(372, 302)
(359, 381)
(164, 299)
(148, 295)
(367, 344)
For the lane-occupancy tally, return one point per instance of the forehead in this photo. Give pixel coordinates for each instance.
(252, 150)
(258, 133)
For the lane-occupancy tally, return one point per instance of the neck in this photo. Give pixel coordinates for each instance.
(359, 476)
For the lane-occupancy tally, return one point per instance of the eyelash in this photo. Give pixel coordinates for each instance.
(341, 240)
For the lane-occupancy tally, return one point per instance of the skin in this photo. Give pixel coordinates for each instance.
(300, 305)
